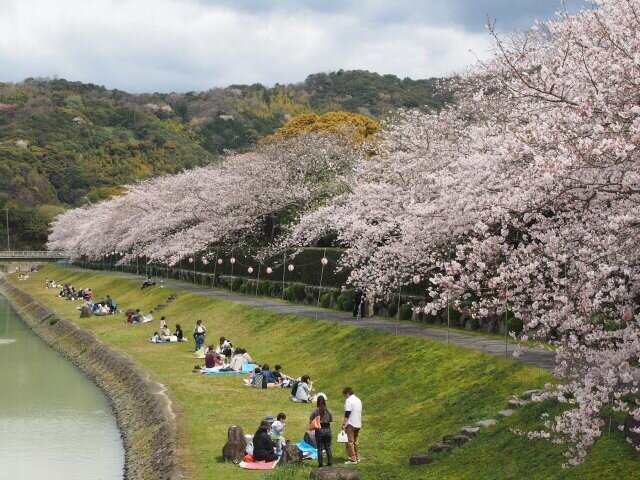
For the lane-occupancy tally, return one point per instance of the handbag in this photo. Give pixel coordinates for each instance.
(342, 437)
(315, 423)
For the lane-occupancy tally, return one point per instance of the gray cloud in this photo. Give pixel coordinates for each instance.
(181, 45)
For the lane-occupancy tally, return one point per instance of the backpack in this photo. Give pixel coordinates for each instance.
(294, 388)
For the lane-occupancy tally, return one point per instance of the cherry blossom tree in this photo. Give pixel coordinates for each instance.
(522, 197)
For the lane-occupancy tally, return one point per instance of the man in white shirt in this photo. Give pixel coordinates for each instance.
(352, 424)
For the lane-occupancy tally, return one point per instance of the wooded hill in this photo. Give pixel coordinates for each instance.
(66, 143)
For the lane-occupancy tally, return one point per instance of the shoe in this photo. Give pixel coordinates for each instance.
(350, 462)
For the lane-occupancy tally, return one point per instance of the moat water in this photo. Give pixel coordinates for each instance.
(54, 423)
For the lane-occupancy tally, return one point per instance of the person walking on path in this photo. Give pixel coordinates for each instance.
(199, 334)
(352, 424)
(323, 434)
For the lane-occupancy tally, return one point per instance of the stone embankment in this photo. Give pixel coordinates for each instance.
(143, 411)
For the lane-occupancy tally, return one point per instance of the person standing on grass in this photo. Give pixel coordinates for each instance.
(199, 334)
(352, 424)
(323, 434)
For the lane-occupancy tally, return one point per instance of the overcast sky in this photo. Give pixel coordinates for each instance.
(183, 45)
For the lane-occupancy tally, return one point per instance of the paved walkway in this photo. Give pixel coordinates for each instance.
(534, 356)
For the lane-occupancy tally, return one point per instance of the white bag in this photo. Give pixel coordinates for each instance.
(342, 437)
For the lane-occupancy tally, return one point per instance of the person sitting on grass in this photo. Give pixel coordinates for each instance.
(237, 361)
(282, 380)
(254, 378)
(147, 283)
(165, 333)
(100, 308)
(303, 392)
(179, 334)
(263, 446)
(137, 316)
(277, 431)
(212, 359)
(156, 338)
(268, 376)
(247, 357)
(113, 307)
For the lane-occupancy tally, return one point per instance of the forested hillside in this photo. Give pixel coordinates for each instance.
(66, 143)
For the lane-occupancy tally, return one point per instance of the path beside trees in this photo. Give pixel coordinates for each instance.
(534, 356)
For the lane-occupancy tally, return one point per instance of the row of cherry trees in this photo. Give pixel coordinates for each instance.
(172, 217)
(524, 197)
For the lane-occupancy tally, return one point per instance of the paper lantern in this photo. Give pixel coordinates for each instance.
(250, 269)
(324, 261)
(205, 261)
(269, 270)
(232, 260)
(190, 260)
(353, 274)
(219, 261)
(291, 268)
(416, 279)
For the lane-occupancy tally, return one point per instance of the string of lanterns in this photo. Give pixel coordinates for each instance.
(324, 261)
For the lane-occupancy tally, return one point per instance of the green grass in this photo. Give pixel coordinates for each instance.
(414, 390)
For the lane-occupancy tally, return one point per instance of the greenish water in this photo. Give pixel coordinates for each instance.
(54, 423)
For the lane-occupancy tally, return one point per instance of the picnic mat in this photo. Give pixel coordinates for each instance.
(258, 465)
(246, 369)
(308, 451)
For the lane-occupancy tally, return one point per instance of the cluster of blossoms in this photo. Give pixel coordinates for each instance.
(523, 196)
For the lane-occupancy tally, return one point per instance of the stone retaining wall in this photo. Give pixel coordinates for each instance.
(143, 411)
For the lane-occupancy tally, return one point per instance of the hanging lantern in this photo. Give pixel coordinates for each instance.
(324, 261)
(291, 268)
(205, 261)
(190, 260)
(353, 274)
(269, 270)
(250, 270)
(219, 261)
(232, 260)
(416, 279)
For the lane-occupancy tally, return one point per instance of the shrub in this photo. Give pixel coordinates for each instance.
(263, 287)
(345, 300)
(514, 324)
(274, 289)
(454, 315)
(325, 300)
(393, 308)
(235, 284)
(406, 312)
(53, 320)
(288, 293)
(243, 288)
(299, 294)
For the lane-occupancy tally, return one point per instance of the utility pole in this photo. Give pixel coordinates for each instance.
(6, 211)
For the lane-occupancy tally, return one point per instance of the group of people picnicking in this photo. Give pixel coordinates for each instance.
(269, 440)
(165, 334)
(106, 306)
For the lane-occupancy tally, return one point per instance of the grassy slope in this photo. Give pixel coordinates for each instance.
(413, 391)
